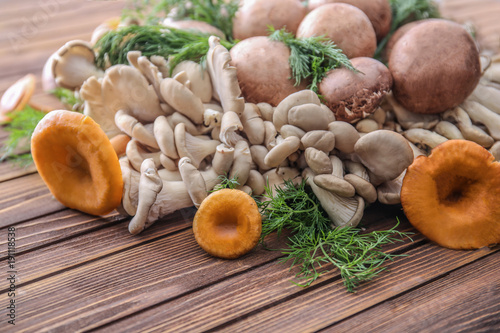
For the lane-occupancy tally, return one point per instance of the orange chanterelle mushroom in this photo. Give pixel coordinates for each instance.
(77, 162)
(453, 196)
(227, 224)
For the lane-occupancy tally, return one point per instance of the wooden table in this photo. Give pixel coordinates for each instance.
(75, 272)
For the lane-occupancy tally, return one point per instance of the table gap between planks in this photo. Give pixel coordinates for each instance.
(77, 272)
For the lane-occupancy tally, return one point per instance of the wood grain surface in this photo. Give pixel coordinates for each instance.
(77, 272)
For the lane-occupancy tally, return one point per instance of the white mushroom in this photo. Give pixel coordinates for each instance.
(73, 63)
(253, 125)
(190, 146)
(230, 125)
(224, 81)
(94, 107)
(182, 100)
(342, 211)
(281, 151)
(481, 114)
(420, 136)
(280, 114)
(201, 85)
(125, 88)
(150, 184)
(385, 154)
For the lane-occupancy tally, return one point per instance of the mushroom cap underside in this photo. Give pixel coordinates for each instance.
(227, 224)
(453, 196)
(77, 161)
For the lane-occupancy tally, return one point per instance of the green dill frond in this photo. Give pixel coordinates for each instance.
(173, 44)
(315, 243)
(218, 13)
(20, 129)
(68, 98)
(226, 182)
(406, 11)
(311, 58)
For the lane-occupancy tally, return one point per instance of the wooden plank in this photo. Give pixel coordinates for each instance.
(229, 299)
(466, 300)
(64, 237)
(123, 283)
(326, 304)
(10, 170)
(55, 228)
(25, 198)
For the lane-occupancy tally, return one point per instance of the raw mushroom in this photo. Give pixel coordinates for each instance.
(355, 95)
(164, 135)
(318, 161)
(378, 11)
(280, 114)
(347, 26)
(74, 63)
(481, 114)
(253, 125)
(384, 153)
(389, 193)
(190, 146)
(94, 107)
(132, 127)
(342, 211)
(201, 84)
(281, 151)
(408, 119)
(125, 88)
(230, 125)
(136, 154)
(254, 17)
(420, 136)
(322, 140)
(346, 136)
(182, 100)
(487, 96)
(310, 117)
(443, 82)
(150, 184)
(195, 183)
(469, 131)
(263, 70)
(224, 77)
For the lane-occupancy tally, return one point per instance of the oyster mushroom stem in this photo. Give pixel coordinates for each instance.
(279, 153)
(230, 125)
(132, 127)
(241, 163)
(136, 154)
(150, 184)
(224, 80)
(469, 131)
(190, 146)
(342, 211)
(253, 125)
(164, 135)
(481, 114)
(280, 115)
(195, 183)
(409, 119)
(487, 96)
(424, 137)
(182, 100)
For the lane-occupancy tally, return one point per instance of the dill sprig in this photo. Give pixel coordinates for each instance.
(314, 243)
(219, 13)
(226, 182)
(68, 97)
(173, 44)
(406, 11)
(311, 58)
(20, 129)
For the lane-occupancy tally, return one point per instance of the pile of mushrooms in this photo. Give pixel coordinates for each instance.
(176, 136)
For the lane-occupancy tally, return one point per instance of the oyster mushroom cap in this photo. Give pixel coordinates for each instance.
(342, 211)
(263, 70)
(91, 93)
(73, 63)
(190, 146)
(384, 153)
(201, 84)
(345, 134)
(435, 66)
(125, 88)
(355, 95)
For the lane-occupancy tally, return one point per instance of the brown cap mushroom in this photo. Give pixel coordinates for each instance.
(254, 17)
(378, 11)
(347, 26)
(355, 95)
(435, 66)
(263, 70)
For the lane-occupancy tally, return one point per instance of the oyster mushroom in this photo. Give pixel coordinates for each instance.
(384, 153)
(201, 84)
(224, 77)
(481, 114)
(281, 151)
(253, 125)
(342, 211)
(280, 114)
(346, 136)
(195, 183)
(190, 146)
(230, 125)
(182, 100)
(310, 117)
(355, 95)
